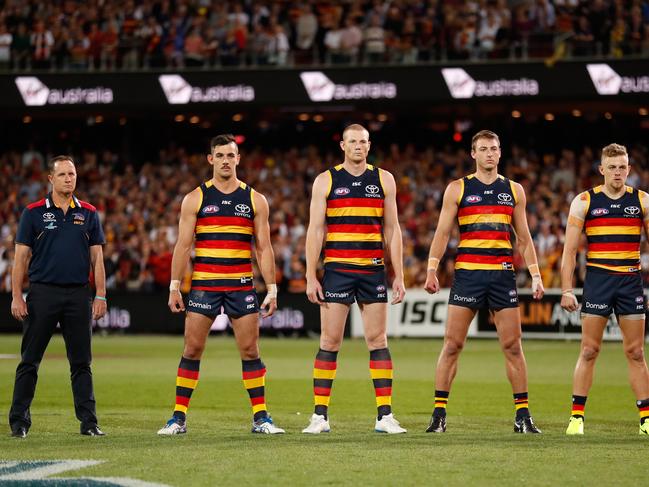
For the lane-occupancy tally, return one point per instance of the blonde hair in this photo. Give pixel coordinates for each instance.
(614, 150)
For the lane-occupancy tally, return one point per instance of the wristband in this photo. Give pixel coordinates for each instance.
(174, 285)
(271, 291)
(567, 291)
(534, 270)
(433, 262)
(101, 298)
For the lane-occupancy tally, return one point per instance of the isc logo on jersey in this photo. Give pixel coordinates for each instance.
(211, 209)
(473, 198)
(341, 191)
(599, 212)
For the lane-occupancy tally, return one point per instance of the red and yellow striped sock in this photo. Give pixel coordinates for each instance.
(381, 373)
(324, 373)
(521, 404)
(643, 409)
(254, 380)
(441, 401)
(186, 382)
(578, 406)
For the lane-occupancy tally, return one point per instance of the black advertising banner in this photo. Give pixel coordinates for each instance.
(324, 86)
(148, 313)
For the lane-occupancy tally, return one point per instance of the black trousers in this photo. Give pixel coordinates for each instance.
(48, 305)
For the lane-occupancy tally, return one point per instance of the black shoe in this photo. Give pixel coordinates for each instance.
(437, 424)
(525, 424)
(93, 431)
(20, 432)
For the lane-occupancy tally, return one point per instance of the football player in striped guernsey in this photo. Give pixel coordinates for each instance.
(354, 210)
(221, 217)
(489, 209)
(613, 216)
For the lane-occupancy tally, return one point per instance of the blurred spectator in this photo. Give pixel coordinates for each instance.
(6, 39)
(374, 39)
(41, 42)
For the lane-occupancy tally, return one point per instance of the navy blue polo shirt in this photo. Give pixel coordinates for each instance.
(60, 242)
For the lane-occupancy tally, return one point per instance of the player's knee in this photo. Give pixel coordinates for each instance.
(513, 348)
(634, 353)
(452, 348)
(377, 342)
(329, 343)
(590, 352)
(193, 351)
(249, 351)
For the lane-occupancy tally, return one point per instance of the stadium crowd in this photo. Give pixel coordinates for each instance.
(139, 204)
(135, 34)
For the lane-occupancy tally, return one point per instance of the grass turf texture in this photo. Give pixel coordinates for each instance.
(134, 385)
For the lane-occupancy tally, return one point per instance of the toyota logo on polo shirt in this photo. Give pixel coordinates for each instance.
(372, 189)
(241, 208)
(506, 197)
(632, 210)
(48, 217)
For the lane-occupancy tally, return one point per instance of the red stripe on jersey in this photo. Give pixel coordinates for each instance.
(223, 289)
(36, 204)
(357, 254)
(322, 365)
(188, 374)
(225, 269)
(253, 374)
(224, 220)
(613, 246)
(354, 271)
(350, 228)
(223, 244)
(352, 202)
(484, 259)
(486, 210)
(380, 364)
(485, 235)
(614, 222)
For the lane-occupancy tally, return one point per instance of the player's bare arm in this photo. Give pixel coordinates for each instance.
(575, 225)
(315, 236)
(23, 255)
(525, 242)
(442, 233)
(183, 248)
(392, 234)
(265, 254)
(644, 201)
(99, 306)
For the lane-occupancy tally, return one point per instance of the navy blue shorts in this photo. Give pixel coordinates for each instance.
(606, 293)
(484, 289)
(235, 303)
(346, 285)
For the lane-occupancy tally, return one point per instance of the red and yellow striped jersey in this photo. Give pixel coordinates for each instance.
(355, 219)
(613, 229)
(224, 232)
(485, 219)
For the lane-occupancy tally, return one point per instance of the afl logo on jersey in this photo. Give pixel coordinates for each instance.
(211, 209)
(372, 189)
(380, 288)
(599, 212)
(241, 208)
(639, 299)
(632, 210)
(473, 198)
(250, 298)
(341, 191)
(505, 197)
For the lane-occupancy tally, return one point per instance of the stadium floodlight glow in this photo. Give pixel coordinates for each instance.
(516, 114)
(461, 85)
(36, 94)
(576, 112)
(549, 117)
(179, 92)
(608, 82)
(643, 112)
(319, 87)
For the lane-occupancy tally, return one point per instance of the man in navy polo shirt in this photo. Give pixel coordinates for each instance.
(59, 238)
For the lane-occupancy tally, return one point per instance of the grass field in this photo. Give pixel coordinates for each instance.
(134, 385)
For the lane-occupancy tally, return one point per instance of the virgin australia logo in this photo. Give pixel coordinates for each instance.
(35, 93)
(461, 85)
(179, 92)
(320, 88)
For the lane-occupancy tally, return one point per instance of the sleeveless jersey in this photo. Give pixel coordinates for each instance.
(224, 232)
(355, 219)
(613, 229)
(485, 219)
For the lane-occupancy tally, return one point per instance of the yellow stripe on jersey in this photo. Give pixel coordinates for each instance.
(252, 201)
(614, 268)
(220, 275)
(484, 218)
(200, 200)
(184, 382)
(354, 237)
(381, 373)
(613, 255)
(223, 229)
(613, 230)
(459, 199)
(473, 266)
(351, 260)
(329, 184)
(511, 185)
(355, 211)
(218, 253)
(252, 383)
(485, 243)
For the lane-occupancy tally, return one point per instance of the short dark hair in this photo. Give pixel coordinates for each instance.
(223, 139)
(484, 134)
(60, 158)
